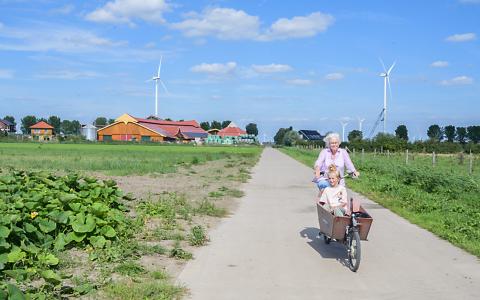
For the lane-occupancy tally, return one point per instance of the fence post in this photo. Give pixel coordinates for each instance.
(406, 157)
(375, 152)
(363, 153)
(381, 149)
(470, 168)
(353, 152)
(433, 158)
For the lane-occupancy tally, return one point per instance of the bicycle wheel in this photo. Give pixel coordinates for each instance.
(326, 239)
(354, 250)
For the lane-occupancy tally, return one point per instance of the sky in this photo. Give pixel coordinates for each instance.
(306, 64)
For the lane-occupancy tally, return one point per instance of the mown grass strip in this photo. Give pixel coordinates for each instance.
(441, 199)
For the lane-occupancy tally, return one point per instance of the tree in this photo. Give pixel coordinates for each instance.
(461, 135)
(435, 133)
(402, 132)
(100, 121)
(76, 126)
(11, 120)
(449, 133)
(28, 121)
(252, 129)
(216, 125)
(473, 133)
(111, 121)
(279, 136)
(226, 123)
(355, 135)
(66, 127)
(291, 138)
(55, 122)
(205, 125)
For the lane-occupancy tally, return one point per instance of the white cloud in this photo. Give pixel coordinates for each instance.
(463, 37)
(271, 68)
(222, 23)
(124, 11)
(439, 64)
(232, 24)
(215, 69)
(46, 37)
(299, 81)
(64, 10)
(68, 75)
(6, 74)
(298, 27)
(460, 80)
(334, 76)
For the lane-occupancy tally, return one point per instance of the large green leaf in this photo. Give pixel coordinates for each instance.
(74, 236)
(48, 259)
(4, 232)
(51, 276)
(99, 209)
(75, 206)
(4, 244)
(67, 197)
(83, 224)
(16, 254)
(60, 216)
(29, 227)
(14, 293)
(97, 241)
(47, 225)
(60, 242)
(108, 231)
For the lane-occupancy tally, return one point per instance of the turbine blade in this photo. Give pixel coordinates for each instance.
(389, 88)
(383, 65)
(164, 87)
(391, 68)
(159, 66)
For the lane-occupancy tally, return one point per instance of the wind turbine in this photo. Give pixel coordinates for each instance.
(157, 80)
(386, 79)
(360, 121)
(344, 124)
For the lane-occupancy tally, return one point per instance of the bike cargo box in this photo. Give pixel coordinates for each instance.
(335, 226)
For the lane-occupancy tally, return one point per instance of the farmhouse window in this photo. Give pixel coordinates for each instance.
(146, 138)
(107, 137)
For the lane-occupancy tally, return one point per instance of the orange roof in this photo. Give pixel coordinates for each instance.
(41, 125)
(231, 131)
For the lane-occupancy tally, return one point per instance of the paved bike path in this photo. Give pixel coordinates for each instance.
(269, 249)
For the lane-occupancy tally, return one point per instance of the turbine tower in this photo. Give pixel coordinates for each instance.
(360, 121)
(386, 79)
(157, 80)
(344, 124)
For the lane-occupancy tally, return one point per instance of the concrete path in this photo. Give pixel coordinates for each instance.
(269, 249)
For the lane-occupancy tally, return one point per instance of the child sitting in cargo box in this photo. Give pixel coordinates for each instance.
(334, 197)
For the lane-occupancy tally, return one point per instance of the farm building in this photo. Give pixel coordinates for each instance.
(229, 135)
(310, 135)
(128, 128)
(42, 131)
(89, 132)
(231, 130)
(7, 126)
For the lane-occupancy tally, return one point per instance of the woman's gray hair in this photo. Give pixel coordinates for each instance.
(329, 137)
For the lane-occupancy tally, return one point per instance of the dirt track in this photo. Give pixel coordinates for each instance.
(269, 249)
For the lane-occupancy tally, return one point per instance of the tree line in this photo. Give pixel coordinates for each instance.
(67, 127)
(445, 139)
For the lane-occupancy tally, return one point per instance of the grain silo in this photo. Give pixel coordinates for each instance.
(89, 132)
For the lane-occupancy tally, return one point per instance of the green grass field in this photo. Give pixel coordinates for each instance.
(112, 159)
(442, 199)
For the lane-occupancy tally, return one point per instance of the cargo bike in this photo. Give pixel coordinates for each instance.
(348, 230)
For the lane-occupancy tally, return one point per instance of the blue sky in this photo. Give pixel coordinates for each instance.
(306, 64)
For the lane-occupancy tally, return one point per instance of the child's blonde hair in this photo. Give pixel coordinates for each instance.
(334, 172)
(332, 168)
